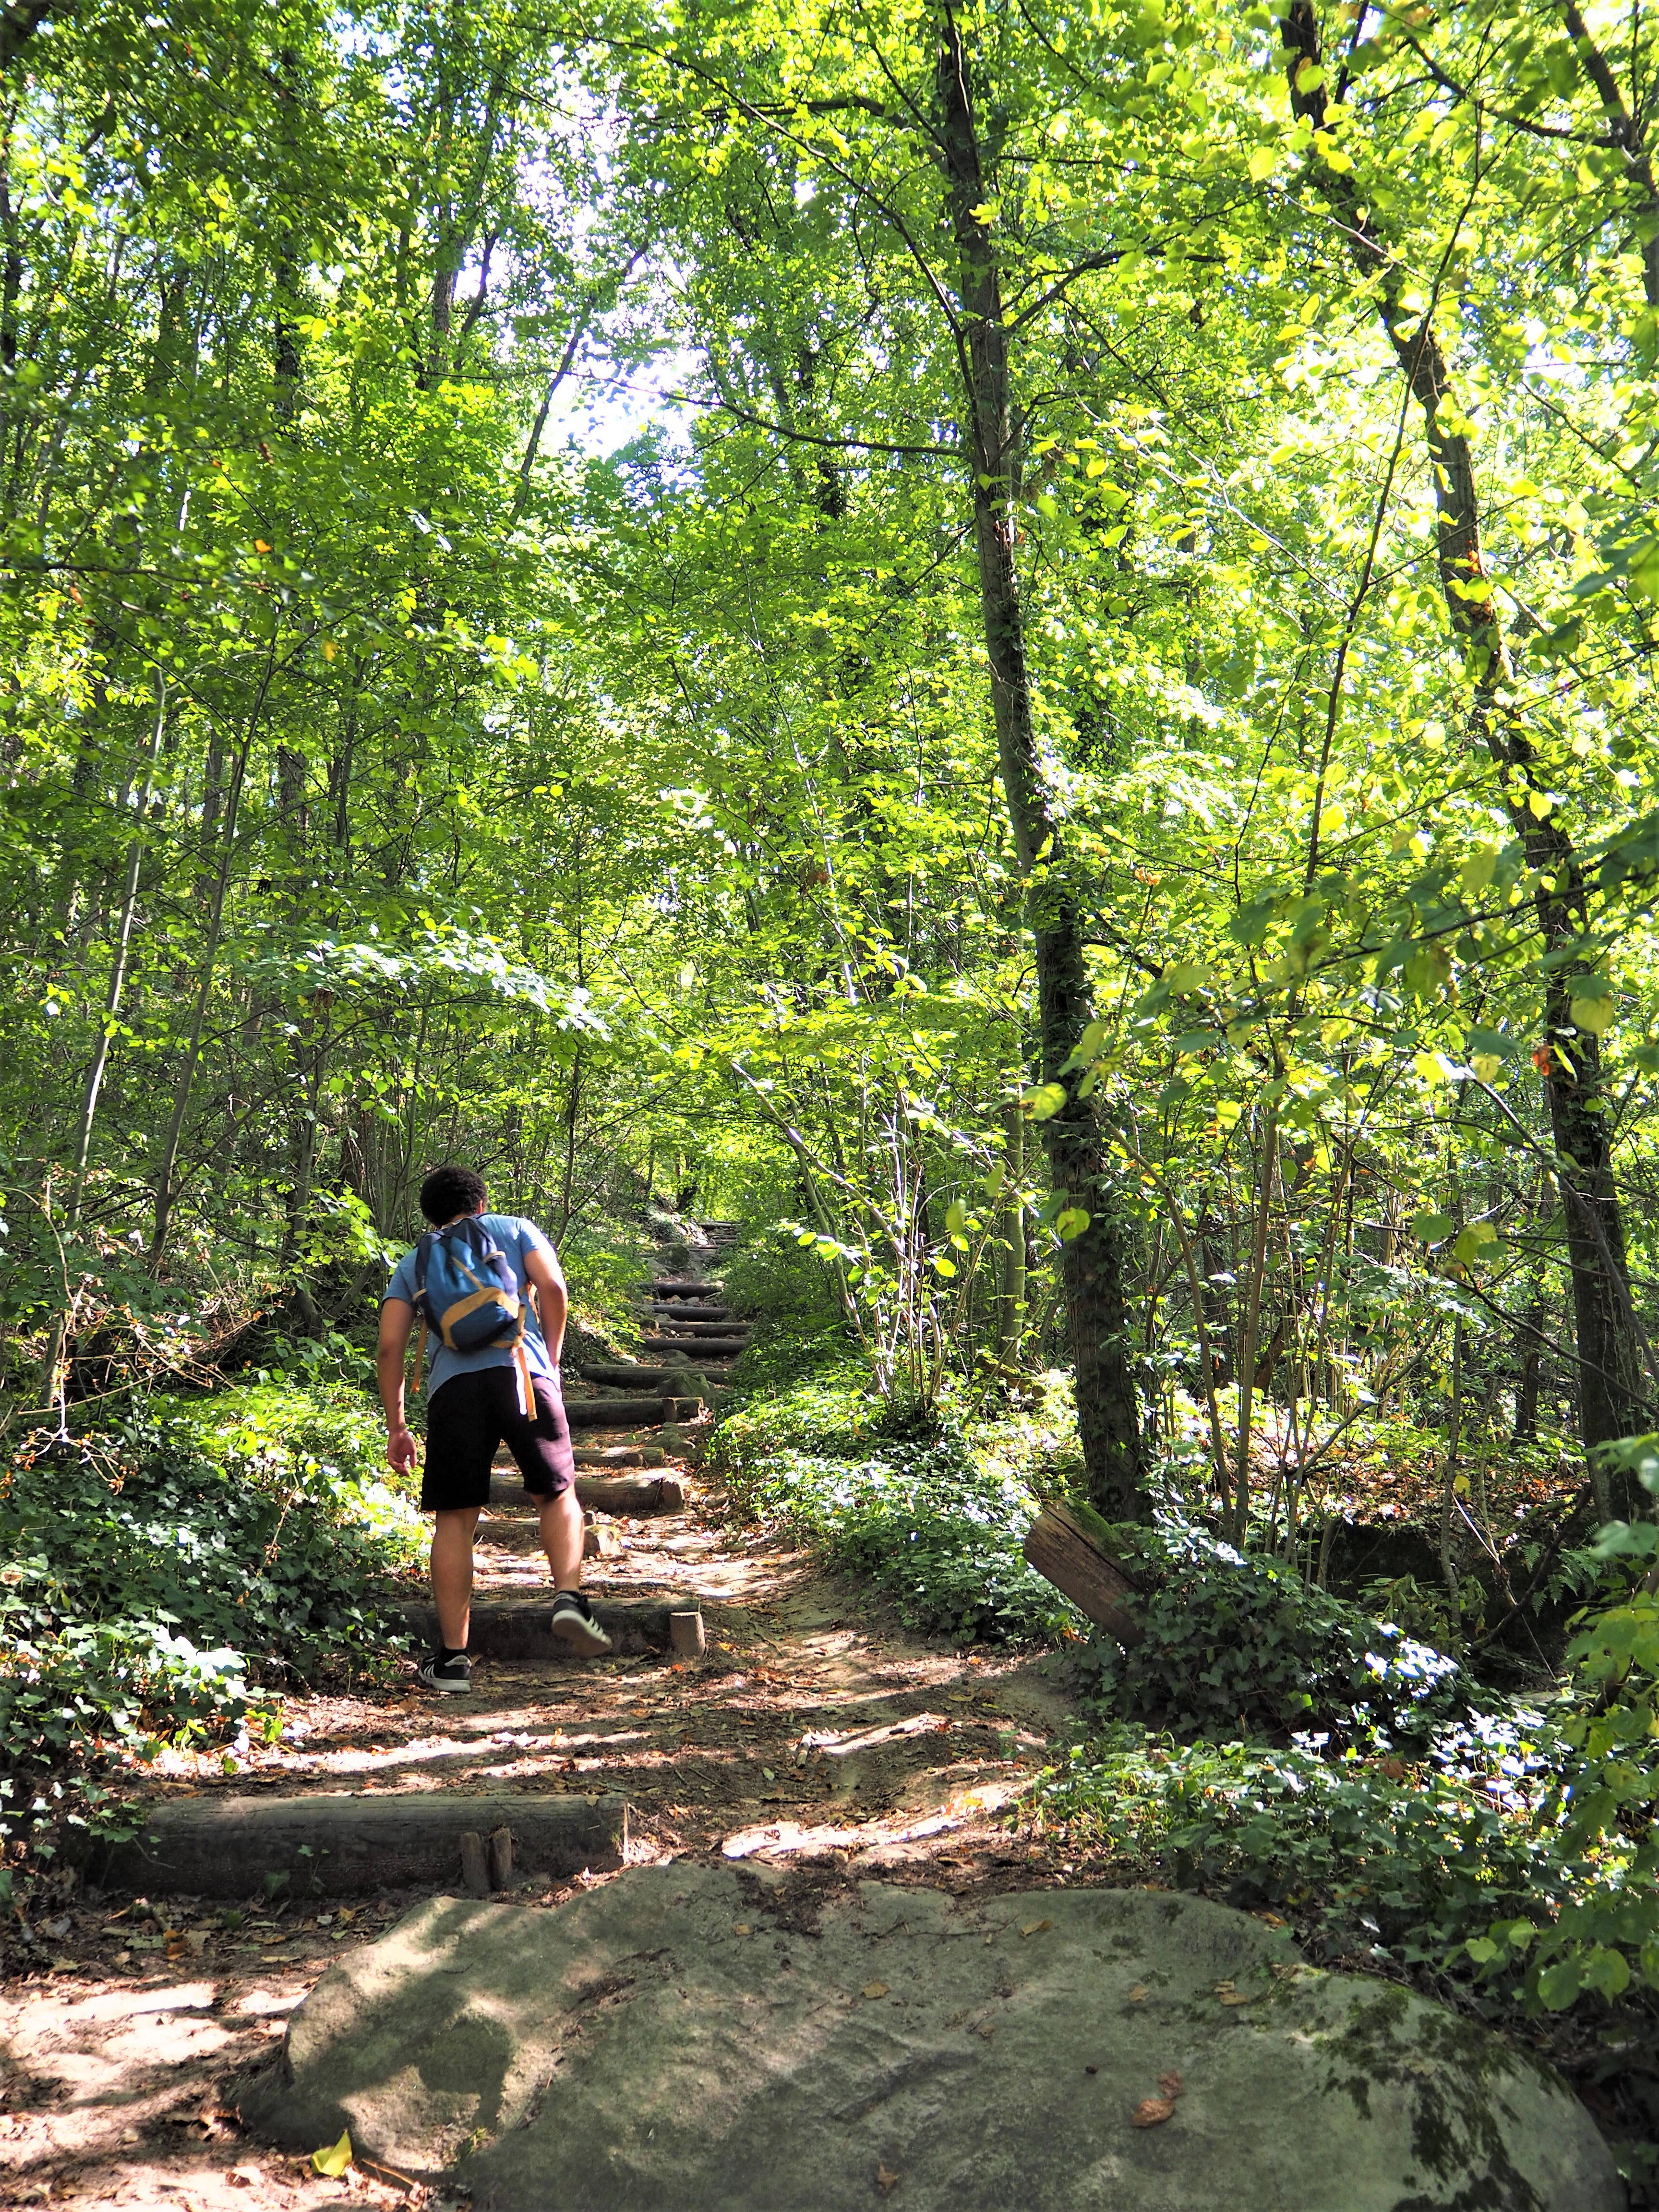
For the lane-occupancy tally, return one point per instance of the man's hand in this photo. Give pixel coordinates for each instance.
(400, 1447)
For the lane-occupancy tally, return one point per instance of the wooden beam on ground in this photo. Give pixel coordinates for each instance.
(646, 1378)
(620, 1455)
(619, 1493)
(701, 1348)
(667, 1287)
(629, 1412)
(341, 1844)
(1065, 1553)
(521, 1628)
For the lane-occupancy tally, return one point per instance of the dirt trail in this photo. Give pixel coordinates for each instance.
(813, 1729)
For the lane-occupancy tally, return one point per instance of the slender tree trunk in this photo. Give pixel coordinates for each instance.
(1079, 1156)
(1252, 1324)
(1612, 1400)
(1011, 1317)
(165, 1190)
(118, 973)
(1529, 1359)
(58, 1335)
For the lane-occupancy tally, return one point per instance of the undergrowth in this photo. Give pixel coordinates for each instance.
(1242, 1644)
(935, 1521)
(165, 1577)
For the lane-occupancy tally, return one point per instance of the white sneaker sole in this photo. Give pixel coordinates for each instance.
(446, 1689)
(576, 1630)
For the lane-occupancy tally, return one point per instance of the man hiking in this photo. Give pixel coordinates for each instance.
(495, 1377)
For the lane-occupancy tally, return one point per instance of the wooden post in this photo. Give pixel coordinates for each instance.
(685, 1635)
(500, 1858)
(1065, 1553)
(475, 1869)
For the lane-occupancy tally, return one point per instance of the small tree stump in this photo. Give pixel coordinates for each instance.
(685, 1635)
(1064, 1554)
(500, 1858)
(475, 1866)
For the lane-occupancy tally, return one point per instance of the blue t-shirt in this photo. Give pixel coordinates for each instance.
(516, 1238)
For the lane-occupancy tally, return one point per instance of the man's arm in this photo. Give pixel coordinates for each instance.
(552, 1298)
(397, 1325)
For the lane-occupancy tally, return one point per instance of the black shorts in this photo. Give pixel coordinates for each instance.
(470, 1417)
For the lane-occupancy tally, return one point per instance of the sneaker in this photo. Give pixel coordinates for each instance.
(573, 1623)
(453, 1675)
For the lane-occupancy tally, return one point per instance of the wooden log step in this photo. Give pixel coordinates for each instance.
(521, 1628)
(1065, 1551)
(619, 1454)
(695, 1317)
(335, 1844)
(619, 1493)
(646, 1377)
(677, 1286)
(704, 1348)
(629, 1412)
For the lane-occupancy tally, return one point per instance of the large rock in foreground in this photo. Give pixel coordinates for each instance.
(691, 2037)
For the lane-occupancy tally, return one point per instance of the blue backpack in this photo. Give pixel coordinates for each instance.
(466, 1291)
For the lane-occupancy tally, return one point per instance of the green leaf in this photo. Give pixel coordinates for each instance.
(1045, 1102)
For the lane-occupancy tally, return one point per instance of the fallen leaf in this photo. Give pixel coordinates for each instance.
(1036, 1927)
(334, 2158)
(245, 2177)
(1169, 2084)
(1137, 1995)
(1235, 1997)
(739, 1927)
(885, 2180)
(875, 1989)
(1270, 1919)
(1151, 2112)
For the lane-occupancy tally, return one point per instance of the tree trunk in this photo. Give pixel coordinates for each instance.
(1612, 1397)
(166, 1189)
(1529, 1359)
(1010, 1319)
(1080, 1159)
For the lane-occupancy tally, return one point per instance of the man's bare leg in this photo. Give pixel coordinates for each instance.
(452, 1573)
(561, 1539)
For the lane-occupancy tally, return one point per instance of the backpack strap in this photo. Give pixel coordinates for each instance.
(422, 1260)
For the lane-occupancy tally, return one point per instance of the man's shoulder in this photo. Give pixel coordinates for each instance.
(517, 1225)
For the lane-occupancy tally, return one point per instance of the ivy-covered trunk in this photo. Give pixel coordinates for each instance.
(1077, 1146)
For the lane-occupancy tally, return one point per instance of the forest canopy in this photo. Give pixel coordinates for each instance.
(1097, 748)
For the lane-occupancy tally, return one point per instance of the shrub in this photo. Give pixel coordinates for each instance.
(1367, 1854)
(1243, 1645)
(798, 1325)
(934, 1524)
(158, 1573)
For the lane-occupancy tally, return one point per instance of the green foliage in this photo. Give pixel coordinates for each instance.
(934, 1524)
(160, 1575)
(1244, 1645)
(799, 1323)
(1416, 1859)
